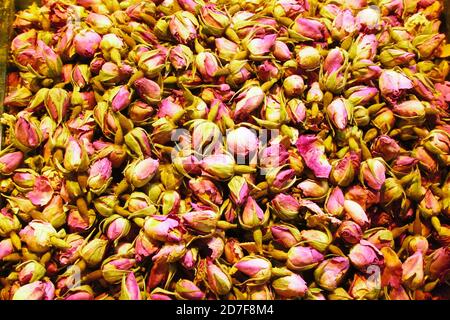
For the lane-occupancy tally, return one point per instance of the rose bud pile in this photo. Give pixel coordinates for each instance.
(226, 149)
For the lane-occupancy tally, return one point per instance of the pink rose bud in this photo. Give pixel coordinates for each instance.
(308, 58)
(363, 287)
(139, 172)
(80, 293)
(437, 264)
(219, 166)
(385, 147)
(364, 47)
(334, 204)
(38, 235)
(286, 235)
(309, 29)
(242, 142)
(163, 228)
(144, 247)
(337, 112)
(42, 192)
(291, 286)
(27, 133)
(233, 251)
(363, 70)
(267, 71)
(148, 90)
(226, 49)
(100, 175)
(218, 281)
(183, 27)
(392, 57)
(206, 191)
(286, 207)
(30, 271)
(258, 47)
(356, 212)
(118, 228)
(202, 222)
(70, 255)
(331, 272)
(181, 56)
(75, 156)
(410, 109)
(38, 290)
(252, 215)
(344, 25)
(207, 65)
(257, 268)
(393, 84)
(293, 86)
(214, 21)
(86, 43)
(186, 289)
(312, 151)
(365, 254)
(10, 162)
(303, 258)
(120, 98)
(281, 51)
(296, 110)
(249, 100)
(6, 248)
(373, 173)
(361, 95)
(280, 180)
(99, 23)
(413, 271)
(350, 232)
(239, 190)
(113, 268)
(369, 19)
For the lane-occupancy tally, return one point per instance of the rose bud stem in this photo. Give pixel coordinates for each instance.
(45, 258)
(121, 211)
(257, 236)
(59, 155)
(82, 180)
(121, 187)
(224, 225)
(28, 255)
(396, 232)
(92, 276)
(13, 257)
(276, 254)
(15, 240)
(139, 222)
(334, 249)
(81, 264)
(59, 243)
(280, 272)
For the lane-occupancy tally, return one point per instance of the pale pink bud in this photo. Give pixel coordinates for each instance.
(312, 151)
(42, 192)
(281, 51)
(242, 141)
(86, 43)
(10, 162)
(356, 212)
(337, 113)
(261, 46)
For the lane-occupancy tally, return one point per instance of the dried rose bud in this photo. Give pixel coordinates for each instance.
(365, 254)
(163, 228)
(70, 255)
(138, 141)
(413, 271)
(189, 259)
(293, 85)
(296, 110)
(116, 227)
(6, 248)
(350, 232)
(94, 251)
(308, 58)
(430, 205)
(242, 142)
(247, 101)
(86, 43)
(42, 191)
(148, 90)
(139, 172)
(308, 29)
(290, 286)
(364, 47)
(239, 190)
(218, 280)
(356, 213)
(285, 234)
(214, 22)
(385, 147)
(331, 272)
(99, 23)
(114, 268)
(207, 65)
(100, 175)
(40, 236)
(181, 56)
(259, 47)
(303, 258)
(286, 207)
(281, 51)
(312, 150)
(258, 269)
(219, 166)
(38, 290)
(75, 156)
(437, 264)
(363, 287)
(373, 173)
(183, 27)
(202, 222)
(343, 171)
(317, 239)
(337, 112)
(10, 162)
(334, 203)
(252, 215)
(30, 271)
(233, 251)
(333, 67)
(27, 135)
(186, 289)
(80, 293)
(313, 188)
